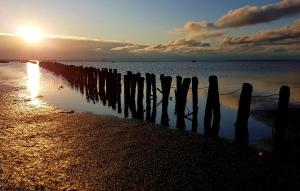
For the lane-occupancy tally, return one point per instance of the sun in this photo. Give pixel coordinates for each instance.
(30, 34)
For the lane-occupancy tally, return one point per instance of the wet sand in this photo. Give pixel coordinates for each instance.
(46, 148)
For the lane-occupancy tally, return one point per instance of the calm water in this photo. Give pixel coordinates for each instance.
(266, 78)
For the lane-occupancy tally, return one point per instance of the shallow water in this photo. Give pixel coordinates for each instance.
(266, 78)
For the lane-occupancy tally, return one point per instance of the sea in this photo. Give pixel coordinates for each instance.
(266, 77)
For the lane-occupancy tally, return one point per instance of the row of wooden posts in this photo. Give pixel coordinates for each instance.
(105, 85)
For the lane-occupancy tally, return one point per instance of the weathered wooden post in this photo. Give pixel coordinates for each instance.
(281, 123)
(95, 89)
(85, 82)
(182, 91)
(148, 96)
(119, 91)
(105, 81)
(154, 97)
(133, 83)
(126, 94)
(195, 103)
(109, 86)
(81, 80)
(140, 97)
(114, 88)
(212, 108)
(241, 125)
(166, 82)
(101, 85)
(178, 88)
(89, 80)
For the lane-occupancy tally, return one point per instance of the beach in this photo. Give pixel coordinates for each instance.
(47, 148)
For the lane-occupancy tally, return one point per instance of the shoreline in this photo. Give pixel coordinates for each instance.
(44, 147)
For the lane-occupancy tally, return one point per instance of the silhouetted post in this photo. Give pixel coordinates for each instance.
(114, 88)
(109, 87)
(178, 88)
(281, 122)
(105, 81)
(115, 84)
(166, 86)
(138, 75)
(95, 88)
(102, 85)
(195, 103)
(181, 93)
(212, 108)
(119, 91)
(148, 96)
(154, 96)
(129, 73)
(87, 84)
(241, 125)
(126, 94)
(140, 97)
(133, 81)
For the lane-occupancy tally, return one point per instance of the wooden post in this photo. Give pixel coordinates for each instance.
(281, 122)
(95, 88)
(114, 88)
(212, 108)
(148, 96)
(241, 125)
(102, 85)
(195, 104)
(109, 87)
(181, 101)
(105, 81)
(154, 96)
(132, 95)
(126, 94)
(166, 86)
(81, 80)
(178, 89)
(140, 97)
(119, 91)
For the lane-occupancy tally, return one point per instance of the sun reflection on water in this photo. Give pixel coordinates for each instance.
(33, 83)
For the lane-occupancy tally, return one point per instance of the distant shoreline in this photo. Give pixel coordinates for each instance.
(195, 61)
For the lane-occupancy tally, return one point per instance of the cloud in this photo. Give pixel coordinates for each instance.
(248, 15)
(192, 26)
(151, 48)
(81, 48)
(175, 46)
(283, 36)
(195, 26)
(128, 48)
(188, 43)
(60, 48)
(99, 49)
(204, 35)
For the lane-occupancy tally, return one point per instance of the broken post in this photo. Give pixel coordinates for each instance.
(211, 127)
(181, 101)
(241, 125)
(195, 103)
(281, 122)
(166, 86)
(140, 97)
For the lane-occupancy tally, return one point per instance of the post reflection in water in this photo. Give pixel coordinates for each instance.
(33, 75)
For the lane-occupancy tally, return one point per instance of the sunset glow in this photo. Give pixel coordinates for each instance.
(33, 74)
(30, 34)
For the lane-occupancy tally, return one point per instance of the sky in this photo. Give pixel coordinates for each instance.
(151, 30)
